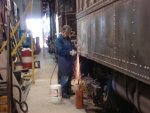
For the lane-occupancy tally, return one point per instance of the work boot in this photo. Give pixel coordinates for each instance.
(71, 93)
(64, 95)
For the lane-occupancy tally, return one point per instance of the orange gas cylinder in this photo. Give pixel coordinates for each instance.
(79, 99)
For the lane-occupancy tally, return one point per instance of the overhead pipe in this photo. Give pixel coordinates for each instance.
(50, 18)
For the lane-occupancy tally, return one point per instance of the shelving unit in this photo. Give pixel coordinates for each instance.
(12, 93)
(6, 94)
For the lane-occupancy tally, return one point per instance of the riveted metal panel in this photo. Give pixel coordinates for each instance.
(103, 43)
(141, 37)
(83, 35)
(123, 33)
(117, 35)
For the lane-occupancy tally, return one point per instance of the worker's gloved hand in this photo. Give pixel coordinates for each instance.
(73, 52)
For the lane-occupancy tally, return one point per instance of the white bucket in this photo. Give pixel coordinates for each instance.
(55, 93)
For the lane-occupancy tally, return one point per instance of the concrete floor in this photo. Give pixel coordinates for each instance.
(38, 98)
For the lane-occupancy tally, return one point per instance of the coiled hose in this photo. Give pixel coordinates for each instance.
(22, 104)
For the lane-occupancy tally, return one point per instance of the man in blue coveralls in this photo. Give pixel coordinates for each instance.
(65, 53)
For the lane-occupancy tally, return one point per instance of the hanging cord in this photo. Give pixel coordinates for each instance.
(126, 89)
(22, 104)
(139, 88)
(53, 73)
(106, 94)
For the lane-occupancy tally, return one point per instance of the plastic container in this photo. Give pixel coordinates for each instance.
(55, 93)
(18, 66)
(4, 107)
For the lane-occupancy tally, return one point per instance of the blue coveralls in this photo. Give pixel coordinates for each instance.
(65, 62)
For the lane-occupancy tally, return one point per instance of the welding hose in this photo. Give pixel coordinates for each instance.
(53, 73)
(21, 103)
